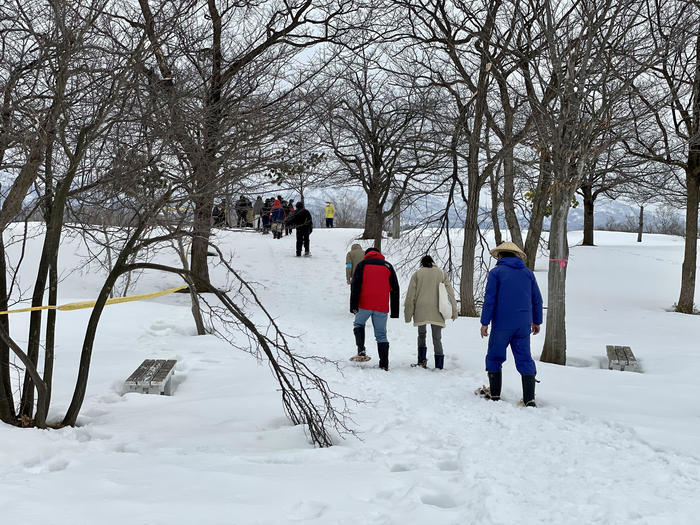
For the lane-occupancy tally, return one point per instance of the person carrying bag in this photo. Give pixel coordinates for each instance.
(427, 304)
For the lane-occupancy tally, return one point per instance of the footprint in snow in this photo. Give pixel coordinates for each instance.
(58, 465)
(402, 467)
(443, 501)
(307, 510)
(448, 466)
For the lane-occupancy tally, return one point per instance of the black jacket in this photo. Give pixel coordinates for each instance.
(301, 220)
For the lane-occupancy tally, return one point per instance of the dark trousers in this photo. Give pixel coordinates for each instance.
(329, 222)
(302, 238)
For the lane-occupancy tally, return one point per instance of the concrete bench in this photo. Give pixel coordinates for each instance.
(622, 358)
(153, 376)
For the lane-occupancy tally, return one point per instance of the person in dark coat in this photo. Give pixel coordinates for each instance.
(513, 308)
(290, 210)
(267, 207)
(242, 205)
(218, 215)
(374, 290)
(303, 222)
(277, 216)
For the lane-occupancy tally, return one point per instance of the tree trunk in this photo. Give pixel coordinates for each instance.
(509, 199)
(374, 219)
(471, 231)
(686, 300)
(91, 330)
(641, 224)
(588, 219)
(539, 207)
(43, 409)
(201, 232)
(554, 350)
(396, 223)
(494, 209)
(7, 403)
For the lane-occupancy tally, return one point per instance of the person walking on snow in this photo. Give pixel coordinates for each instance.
(303, 222)
(373, 290)
(242, 205)
(352, 259)
(330, 213)
(277, 216)
(257, 213)
(266, 209)
(513, 307)
(423, 306)
(289, 209)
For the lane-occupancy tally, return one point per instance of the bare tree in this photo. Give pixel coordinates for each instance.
(592, 54)
(379, 132)
(608, 172)
(219, 77)
(672, 136)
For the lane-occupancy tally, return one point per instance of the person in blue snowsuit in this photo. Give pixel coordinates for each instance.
(513, 308)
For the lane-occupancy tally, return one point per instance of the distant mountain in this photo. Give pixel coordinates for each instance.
(606, 210)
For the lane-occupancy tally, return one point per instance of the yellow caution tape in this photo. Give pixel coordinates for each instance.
(89, 304)
(31, 309)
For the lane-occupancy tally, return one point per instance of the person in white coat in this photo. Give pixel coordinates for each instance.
(423, 306)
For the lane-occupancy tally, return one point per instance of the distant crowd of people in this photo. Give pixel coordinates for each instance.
(273, 214)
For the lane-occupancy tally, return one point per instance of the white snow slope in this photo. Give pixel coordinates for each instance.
(604, 447)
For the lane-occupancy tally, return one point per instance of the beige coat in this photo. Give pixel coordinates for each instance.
(422, 298)
(352, 259)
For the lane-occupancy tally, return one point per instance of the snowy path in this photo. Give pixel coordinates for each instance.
(603, 448)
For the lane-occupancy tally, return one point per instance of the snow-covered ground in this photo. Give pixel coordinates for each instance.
(603, 446)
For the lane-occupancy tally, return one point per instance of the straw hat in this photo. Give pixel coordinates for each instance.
(508, 247)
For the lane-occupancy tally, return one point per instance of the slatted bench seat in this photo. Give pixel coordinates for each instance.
(153, 376)
(622, 358)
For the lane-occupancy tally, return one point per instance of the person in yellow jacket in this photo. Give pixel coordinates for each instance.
(330, 213)
(422, 305)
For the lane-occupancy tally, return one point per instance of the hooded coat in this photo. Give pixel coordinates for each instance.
(423, 297)
(277, 213)
(512, 298)
(352, 259)
(375, 286)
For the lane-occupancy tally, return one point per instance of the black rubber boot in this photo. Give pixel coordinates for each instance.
(439, 361)
(495, 381)
(359, 332)
(383, 350)
(529, 391)
(422, 357)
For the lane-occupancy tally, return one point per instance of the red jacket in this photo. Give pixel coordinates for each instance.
(374, 285)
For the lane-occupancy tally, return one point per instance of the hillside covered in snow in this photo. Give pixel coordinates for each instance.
(603, 447)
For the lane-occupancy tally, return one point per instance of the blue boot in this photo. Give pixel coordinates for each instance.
(439, 361)
(422, 357)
